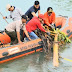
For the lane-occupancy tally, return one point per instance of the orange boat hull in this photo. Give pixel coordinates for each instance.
(66, 25)
(13, 52)
(4, 38)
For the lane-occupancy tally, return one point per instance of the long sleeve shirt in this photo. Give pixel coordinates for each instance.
(49, 19)
(15, 14)
(33, 24)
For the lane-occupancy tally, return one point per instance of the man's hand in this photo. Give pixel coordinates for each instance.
(29, 38)
(42, 22)
(25, 31)
(51, 25)
(20, 42)
(34, 14)
(4, 17)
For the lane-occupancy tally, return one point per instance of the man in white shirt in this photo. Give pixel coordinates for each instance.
(13, 30)
(15, 13)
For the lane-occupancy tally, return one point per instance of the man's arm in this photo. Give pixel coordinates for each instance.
(47, 23)
(33, 13)
(18, 37)
(38, 12)
(20, 12)
(26, 33)
(18, 31)
(7, 17)
(46, 20)
(40, 27)
(54, 16)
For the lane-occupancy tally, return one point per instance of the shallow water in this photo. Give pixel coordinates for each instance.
(37, 62)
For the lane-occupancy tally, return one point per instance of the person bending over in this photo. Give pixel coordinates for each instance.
(13, 30)
(35, 23)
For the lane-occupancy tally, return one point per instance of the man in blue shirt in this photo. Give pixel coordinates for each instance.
(33, 10)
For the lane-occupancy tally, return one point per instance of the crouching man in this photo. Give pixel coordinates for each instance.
(35, 23)
(50, 17)
(13, 30)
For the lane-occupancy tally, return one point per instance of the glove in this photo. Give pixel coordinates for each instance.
(52, 26)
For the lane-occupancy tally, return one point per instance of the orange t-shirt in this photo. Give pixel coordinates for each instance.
(49, 19)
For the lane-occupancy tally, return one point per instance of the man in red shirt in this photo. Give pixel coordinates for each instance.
(33, 24)
(50, 17)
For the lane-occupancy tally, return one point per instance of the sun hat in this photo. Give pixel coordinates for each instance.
(8, 6)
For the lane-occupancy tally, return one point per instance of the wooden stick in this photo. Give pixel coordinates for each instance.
(55, 52)
(4, 19)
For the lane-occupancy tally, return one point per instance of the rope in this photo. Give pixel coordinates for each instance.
(66, 59)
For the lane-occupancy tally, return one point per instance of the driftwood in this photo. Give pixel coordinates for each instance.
(47, 40)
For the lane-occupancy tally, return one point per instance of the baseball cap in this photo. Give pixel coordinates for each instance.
(50, 10)
(24, 17)
(36, 2)
(8, 6)
(41, 16)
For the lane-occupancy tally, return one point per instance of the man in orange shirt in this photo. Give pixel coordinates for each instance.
(50, 17)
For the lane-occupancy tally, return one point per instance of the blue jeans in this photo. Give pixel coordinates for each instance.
(32, 36)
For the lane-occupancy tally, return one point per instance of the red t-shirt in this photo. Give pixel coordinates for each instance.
(33, 24)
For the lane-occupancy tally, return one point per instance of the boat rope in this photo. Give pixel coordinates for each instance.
(66, 59)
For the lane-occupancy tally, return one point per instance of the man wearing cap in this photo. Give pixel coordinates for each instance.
(33, 10)
(13, 30)
(50, 17)
(33, 24)
(15, 13)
